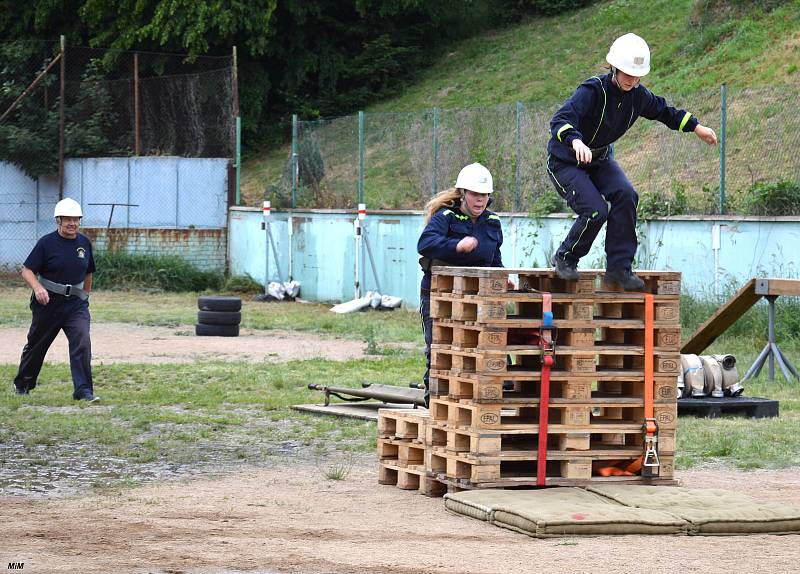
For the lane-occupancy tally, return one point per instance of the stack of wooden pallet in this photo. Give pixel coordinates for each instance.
(487, 368)
(402, 450)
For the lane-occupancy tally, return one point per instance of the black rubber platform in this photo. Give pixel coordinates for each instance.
(709, 407)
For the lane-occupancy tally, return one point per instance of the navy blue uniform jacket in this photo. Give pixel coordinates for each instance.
(447, 227)
(598, 113)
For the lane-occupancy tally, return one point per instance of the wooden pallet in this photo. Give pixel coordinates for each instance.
(568, 358)
(569, 310)
(493, 281)
(402, 424)
(461, 335)
(517, 388)
(565, 415)
(503, 443)
(401, 453)
(411, 478)
(489, 472)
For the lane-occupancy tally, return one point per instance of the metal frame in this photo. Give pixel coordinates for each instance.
(772, 352)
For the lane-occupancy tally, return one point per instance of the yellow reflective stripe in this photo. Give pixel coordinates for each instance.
(602, 112)
(446, 212)
(684, 121)
(494, 217)
(561, 129)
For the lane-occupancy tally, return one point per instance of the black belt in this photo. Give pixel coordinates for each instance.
(600, 152)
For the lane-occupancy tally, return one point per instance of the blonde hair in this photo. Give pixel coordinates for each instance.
(447, 198)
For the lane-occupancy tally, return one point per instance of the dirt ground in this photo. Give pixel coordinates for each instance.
(287, 517)
(129, 343)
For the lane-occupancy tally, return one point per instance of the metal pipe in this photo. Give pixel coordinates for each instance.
(434, 186)
(136, 125)
(30, 88)
(723, 125)
(517, 198)
(371, 260)
(295, 162)
(771, 335)
(360, 157)
(238, 160)
(61, 122)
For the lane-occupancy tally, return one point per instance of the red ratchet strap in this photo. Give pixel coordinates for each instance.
(546, 342)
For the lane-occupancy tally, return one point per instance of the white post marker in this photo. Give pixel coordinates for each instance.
(357, 230)
(267, 211)
(362, 211)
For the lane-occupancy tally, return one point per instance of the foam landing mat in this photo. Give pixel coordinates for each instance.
(624, 509)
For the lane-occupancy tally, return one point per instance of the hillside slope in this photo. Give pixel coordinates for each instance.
(696, 45)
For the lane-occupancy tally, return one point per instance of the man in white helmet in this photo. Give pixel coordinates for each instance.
(59, 271)
(459, 230)
(581, 165)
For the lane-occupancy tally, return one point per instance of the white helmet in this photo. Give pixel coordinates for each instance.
(630, 54)
(475, 177)
(68, 208)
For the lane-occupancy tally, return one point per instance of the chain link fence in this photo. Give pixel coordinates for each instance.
(399, 160)
(141, 140)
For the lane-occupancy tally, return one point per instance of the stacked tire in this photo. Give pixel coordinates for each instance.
(218, 316)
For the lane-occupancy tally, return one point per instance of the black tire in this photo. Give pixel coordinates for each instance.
(219, 317)
(202, 330)
(219, 303)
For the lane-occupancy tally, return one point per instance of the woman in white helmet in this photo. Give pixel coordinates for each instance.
(459, 230)
(580, 159)
(59, 271)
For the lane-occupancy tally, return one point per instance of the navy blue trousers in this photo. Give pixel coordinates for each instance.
(588, 190)
(427, 330)
(67, 313)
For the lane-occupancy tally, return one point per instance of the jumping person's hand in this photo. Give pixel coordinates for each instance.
(42, 296)
(582, 151)
(467, 244)
(706, 134)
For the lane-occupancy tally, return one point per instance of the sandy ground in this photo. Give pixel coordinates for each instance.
(289, 518)
(126, 342)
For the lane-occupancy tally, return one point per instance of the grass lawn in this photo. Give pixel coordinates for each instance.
(158, 420)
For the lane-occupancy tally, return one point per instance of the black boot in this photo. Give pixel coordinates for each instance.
(623, 278)
(566, 270)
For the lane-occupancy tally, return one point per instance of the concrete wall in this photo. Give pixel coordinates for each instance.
(321, 249)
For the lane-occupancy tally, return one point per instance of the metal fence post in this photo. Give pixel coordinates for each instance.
(434, 185)
(62, 91)
(517, 198)
(723, 124)
(360, 157)
(294, 162)
(238, 160)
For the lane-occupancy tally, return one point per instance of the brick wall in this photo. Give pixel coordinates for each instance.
(206, 249)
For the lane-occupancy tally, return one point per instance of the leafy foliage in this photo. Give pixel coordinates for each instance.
(122, 270)
(29, 135)
(772, 198)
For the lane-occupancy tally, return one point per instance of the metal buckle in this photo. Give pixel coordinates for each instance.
(650, 461)
(67, 290)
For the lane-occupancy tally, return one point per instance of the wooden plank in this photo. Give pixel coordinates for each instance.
(770, 286)
(719, 322)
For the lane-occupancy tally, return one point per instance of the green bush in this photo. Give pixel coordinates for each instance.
(772, 198)
(120, 270)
